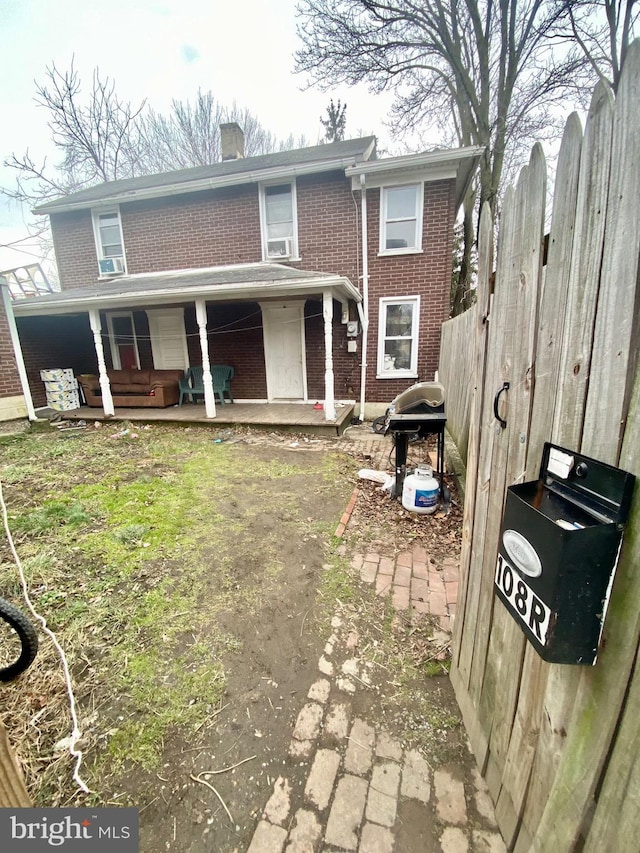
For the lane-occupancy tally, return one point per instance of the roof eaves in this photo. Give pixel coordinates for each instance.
(457, 163)
(424, 159)
(247, 290)
(184, 187)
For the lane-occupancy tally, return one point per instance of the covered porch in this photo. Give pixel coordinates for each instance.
(282, 330)
(284, 417)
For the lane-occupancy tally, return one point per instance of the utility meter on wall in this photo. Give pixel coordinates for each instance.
(352, 328)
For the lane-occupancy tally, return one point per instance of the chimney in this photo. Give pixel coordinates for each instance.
(231, 141)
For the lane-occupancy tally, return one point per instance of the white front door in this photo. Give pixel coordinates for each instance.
(284, 350)
(168, 339)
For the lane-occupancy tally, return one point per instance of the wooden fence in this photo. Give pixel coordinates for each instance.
(455, 373)
(559, 745)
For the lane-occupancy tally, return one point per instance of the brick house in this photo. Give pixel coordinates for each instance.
(319, 274)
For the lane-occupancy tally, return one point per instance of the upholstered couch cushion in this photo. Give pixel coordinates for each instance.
(134, 388)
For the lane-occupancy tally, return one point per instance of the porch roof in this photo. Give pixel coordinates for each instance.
(244, 282)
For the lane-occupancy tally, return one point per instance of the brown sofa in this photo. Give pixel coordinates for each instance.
(133, 388)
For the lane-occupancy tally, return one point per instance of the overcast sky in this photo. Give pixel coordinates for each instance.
(159, 50)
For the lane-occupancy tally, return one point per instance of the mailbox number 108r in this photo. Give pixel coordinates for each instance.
(533, 613)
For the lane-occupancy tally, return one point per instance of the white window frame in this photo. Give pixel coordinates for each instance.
(412, 371)
(115, 352)
(408, 250)
(95, 217)
(293, 256)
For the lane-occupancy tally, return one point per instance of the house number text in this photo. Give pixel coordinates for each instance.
(533, 612)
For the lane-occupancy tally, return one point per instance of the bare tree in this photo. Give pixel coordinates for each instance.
(479, 70)
(98, 137)
(102, 138)
(335, 122)
(603, 29)
(189, 135)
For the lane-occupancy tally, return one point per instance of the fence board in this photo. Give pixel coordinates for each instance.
(13, 793)
(500, 703)
(584, 278)
(615, 343)
(468, 586)
(477, 583)
(526, 725)
(455, 372)
(523, 740)
(480, 317)
(589, 735)
(558, 744)
(575, 360)
(616, 823)
(481, 600)
(554, 291)
(602, 688)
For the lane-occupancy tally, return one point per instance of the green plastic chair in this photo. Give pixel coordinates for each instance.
(221, 375)
(191, 385)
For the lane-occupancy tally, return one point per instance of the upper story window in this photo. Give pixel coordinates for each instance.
(401, 219)
(398, 337)
(107, 229)
(279, 222)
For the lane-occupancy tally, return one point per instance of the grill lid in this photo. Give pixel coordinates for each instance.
(423, 398)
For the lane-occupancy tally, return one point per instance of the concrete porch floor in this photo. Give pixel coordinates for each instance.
(287, 417)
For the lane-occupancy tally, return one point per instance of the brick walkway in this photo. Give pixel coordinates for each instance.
(360, 784)
(413, 581)
(358, 778)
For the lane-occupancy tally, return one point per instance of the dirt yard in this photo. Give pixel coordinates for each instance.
(192, 578)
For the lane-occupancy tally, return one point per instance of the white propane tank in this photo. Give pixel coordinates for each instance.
(420, 491)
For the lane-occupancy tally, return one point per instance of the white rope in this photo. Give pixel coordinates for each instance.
(76, 734)
(219, 330)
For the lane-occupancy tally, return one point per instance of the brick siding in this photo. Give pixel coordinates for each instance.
(223, 227)
(10, 385)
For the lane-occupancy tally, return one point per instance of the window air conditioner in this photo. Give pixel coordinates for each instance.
(111, 266)
(281, 248)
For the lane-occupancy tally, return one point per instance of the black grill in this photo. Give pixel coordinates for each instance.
(417, 412)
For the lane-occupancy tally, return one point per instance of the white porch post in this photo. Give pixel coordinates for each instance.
(17, 350)
(209, 397)
(107, 399)
(329, 398)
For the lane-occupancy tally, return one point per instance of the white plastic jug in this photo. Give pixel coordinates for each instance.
(420, 491)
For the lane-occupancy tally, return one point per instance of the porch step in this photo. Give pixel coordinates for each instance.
(284, 417)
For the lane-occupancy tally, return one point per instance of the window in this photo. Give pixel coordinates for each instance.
(401, 219)
(122, 340)
(109, 243)
(398, 337)
(279, 221)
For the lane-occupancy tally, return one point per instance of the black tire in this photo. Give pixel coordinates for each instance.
(28, 638)
(379, 424)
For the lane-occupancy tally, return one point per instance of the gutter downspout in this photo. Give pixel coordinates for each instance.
(17, 350)
(364, 311)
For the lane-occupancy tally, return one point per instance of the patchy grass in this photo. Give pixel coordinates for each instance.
(338, 584)
(132, 548)
(52, 514)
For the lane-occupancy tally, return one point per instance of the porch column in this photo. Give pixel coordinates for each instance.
(209, 397)
(5, 298)
(96, 328)
(329, 398)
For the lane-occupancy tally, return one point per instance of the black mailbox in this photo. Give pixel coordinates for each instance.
(559, 546)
